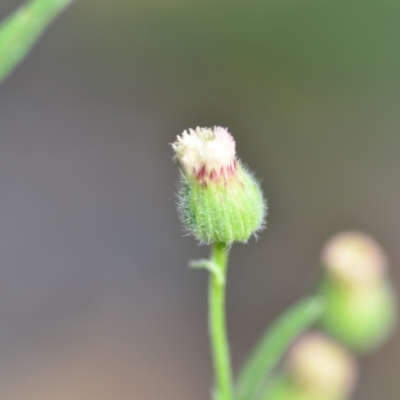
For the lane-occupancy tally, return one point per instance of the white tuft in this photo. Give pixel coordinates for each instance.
(205, 150)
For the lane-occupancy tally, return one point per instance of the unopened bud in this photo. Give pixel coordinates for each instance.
(219, 199)
(354, 258)
(360, 305)
(316, 368)
(321, 366)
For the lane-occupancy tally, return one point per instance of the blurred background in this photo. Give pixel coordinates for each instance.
(96, 300)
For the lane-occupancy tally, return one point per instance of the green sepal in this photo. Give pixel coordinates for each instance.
(282, 387)
(225, 211)
(361, 318)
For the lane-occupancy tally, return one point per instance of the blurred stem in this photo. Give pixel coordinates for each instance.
(217, 324)
(274, 343)
(20, 30)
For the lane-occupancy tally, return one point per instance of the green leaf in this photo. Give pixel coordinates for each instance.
(20, 30)
(274, 344)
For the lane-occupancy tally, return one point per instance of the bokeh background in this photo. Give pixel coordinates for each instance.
(96, 300)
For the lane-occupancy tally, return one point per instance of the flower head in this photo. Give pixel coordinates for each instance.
(360, 304)
(322, 366)
(206, 154)
(354, 258)
(219, 199)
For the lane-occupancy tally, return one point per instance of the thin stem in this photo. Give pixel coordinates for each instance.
(217, 325)
(21, 29)
(273, 344)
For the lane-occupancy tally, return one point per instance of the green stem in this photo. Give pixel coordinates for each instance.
(20, 31)
(273, 345)
(217, 325)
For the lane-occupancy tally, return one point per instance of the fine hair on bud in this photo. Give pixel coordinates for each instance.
(219, 200)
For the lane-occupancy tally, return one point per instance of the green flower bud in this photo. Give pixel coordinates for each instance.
(360, 304)
(316, 368)
(219, 199)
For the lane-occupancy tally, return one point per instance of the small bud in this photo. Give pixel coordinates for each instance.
(321, 366)
(360, 305)
(219, 200)
(316, 368)
(354, 258)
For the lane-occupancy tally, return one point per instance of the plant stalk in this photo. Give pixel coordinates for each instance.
(223, 389)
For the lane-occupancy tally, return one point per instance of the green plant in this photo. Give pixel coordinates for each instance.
(220, 202)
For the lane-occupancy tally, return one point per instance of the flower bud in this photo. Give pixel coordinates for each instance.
(354, 258)
(321, 366)
(316, 368)
(219, 199)
(360, 305)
